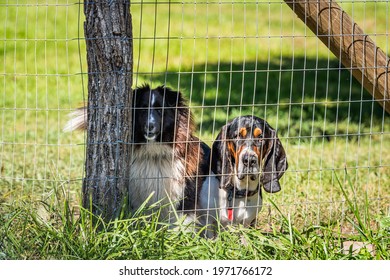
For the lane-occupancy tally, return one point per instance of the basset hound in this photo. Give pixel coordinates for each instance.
(247, 155)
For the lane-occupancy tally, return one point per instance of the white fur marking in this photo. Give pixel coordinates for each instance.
(155, 169)
(213, 203)
(77, 120)
(246, 183)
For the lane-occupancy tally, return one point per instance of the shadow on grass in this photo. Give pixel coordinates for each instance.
(302, 97)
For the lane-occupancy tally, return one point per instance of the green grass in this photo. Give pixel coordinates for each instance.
(227, 59)
(56, 231)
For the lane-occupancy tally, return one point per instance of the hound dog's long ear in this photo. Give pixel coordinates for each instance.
(221, 160)
(275, 164)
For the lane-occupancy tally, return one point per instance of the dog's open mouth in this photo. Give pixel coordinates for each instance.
(150, 136)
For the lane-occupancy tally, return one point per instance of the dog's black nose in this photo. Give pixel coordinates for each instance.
(249, 160)
(151, 130)
(150, 127)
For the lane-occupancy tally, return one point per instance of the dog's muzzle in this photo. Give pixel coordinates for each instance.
(248, 165)
(152, 127)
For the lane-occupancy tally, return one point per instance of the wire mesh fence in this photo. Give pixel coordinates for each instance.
(229, 59)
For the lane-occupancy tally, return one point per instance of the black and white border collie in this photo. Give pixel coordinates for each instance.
(167, 160)
(168, 164)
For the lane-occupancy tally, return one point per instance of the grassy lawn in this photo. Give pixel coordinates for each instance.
(229, 59)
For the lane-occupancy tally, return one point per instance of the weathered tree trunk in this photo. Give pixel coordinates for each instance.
(108, 33)
(347, 41)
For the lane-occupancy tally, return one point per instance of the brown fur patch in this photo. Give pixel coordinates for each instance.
(233, 152)
(187, 148)
(257, 151)
(257, 132)
(238, 154)
(243, 132)
(231, 149)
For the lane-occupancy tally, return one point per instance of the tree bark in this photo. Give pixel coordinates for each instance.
(347, 41)
(108, 33)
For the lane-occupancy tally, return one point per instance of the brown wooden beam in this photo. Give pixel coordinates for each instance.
(347, 41)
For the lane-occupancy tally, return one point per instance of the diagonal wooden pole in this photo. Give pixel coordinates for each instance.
(347, 41)
(108, 33)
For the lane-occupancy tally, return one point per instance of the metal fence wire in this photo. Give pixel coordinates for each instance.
(228, 58)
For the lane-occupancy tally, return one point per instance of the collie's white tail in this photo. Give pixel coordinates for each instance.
(78, 120)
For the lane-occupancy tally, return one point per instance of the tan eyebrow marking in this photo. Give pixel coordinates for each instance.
(243, 132)
(257, 132)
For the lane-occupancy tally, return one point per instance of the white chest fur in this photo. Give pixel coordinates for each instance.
(215, 205)
(244, 210)
(155, 170)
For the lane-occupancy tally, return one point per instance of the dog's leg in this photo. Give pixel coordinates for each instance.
(208, 203)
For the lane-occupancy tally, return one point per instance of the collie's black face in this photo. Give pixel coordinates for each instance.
(155, 114)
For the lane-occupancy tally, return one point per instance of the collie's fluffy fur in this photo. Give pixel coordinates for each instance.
(168, 163)
(167, 158)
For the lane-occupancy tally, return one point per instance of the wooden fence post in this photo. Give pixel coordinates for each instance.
(347, 41)
(108, 34)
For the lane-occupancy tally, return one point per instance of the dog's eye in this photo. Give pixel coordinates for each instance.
(260, 139)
